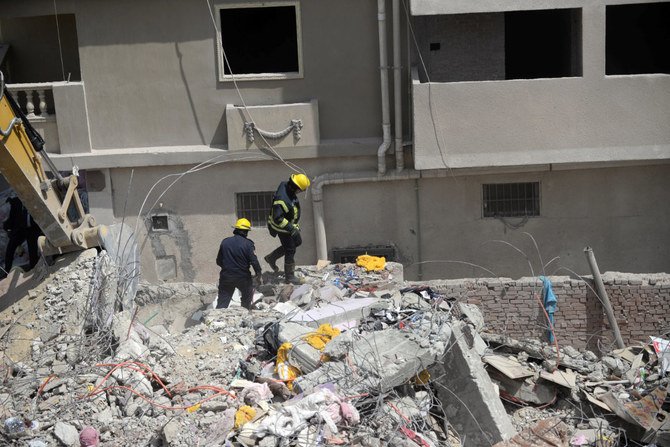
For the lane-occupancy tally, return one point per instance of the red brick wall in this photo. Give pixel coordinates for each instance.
(641, 304)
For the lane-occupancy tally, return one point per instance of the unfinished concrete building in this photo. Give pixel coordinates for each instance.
(478, 141)
(487, 120)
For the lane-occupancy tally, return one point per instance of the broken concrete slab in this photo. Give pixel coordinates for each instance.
(378, 361)
(469, 399)
(529, 390)
(302, 355)
(345, 313)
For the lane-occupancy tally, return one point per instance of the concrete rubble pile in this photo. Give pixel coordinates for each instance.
(350, 357)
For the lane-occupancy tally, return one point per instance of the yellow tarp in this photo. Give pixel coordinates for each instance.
(371, 263)
(283, 368)
(244, 415)
(320, 338)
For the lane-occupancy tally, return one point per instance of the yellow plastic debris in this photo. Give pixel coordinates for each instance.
(244, 415)
(320, 338)
(193, 408)
(422, 378)
(371, 263)
(283, 368)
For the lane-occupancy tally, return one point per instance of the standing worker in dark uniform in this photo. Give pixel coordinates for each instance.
(283, 221)
(236, 255)
(21, 227)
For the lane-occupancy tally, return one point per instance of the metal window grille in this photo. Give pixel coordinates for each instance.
(254, 206)
(511, 199)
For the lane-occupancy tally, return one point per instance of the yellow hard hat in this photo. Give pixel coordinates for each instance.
(242, 224)
(301, 181)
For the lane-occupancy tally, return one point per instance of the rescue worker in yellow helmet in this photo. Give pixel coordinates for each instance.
(284, 222)
(236, 255)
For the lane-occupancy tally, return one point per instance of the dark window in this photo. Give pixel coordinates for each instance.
(638, 39)
(349, 254)
(543, 44)
(501, 45)
(511, 199)
(40, 49)
(254, 206)
(260, 39)
(159, 223)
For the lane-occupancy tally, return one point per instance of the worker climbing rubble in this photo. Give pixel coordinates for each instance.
(283, 221)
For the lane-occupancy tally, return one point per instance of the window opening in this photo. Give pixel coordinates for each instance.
(637, 39)
(260, 40)
(159, 223)
(511, 199)
(254, 206)
(543, 44)
(33, 39)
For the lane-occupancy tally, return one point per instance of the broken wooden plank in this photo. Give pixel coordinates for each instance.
(566, 379)
(508, 366)
(597, 402)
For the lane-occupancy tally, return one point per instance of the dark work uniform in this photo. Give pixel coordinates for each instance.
(236, 255)
(283, 222)
(20, 227)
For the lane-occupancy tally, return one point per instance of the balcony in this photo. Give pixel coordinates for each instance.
(526, 122)
(57, 110)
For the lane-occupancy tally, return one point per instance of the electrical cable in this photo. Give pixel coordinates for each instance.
(60, 46)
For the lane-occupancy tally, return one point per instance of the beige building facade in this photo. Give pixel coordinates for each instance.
(489, 147)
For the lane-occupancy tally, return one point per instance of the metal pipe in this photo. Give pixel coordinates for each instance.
(384, 77)
(397, 88)
(600, 287)
(337, 178)
(417, 197)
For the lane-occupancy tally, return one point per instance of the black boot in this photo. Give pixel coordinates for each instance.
(290, 278)
(271, 259)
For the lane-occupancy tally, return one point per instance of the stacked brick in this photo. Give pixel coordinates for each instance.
(641, 304)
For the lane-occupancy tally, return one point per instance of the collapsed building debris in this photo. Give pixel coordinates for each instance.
(350, 357)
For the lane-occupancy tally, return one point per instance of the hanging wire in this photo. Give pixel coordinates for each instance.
(274, 154)
(60, 46)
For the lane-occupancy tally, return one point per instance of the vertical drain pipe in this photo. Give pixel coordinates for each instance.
(600, 287)
(384, 77)
(397, 88)
(418, 230)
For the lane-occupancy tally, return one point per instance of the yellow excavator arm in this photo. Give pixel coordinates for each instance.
(47, 199)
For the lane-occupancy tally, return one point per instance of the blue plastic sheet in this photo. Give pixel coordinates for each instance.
(550, 304)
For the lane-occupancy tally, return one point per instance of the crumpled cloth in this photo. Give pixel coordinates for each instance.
(322, 336)
(292, 418)
(371, 263)
(255, 393)
(89, 437)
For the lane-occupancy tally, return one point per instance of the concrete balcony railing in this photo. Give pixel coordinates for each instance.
(595, 119)
(57, 110)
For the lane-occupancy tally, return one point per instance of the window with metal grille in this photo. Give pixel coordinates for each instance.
(254, 206)
(511, 199)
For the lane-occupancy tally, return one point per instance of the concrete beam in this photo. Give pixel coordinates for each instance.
(469, 398)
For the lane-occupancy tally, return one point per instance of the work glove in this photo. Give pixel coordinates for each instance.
(295, 231)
